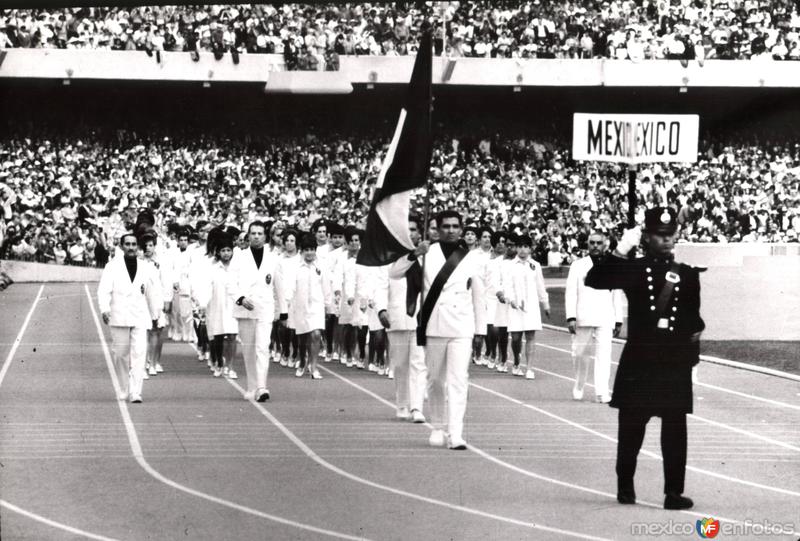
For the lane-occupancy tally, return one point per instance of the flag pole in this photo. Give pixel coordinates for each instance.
(427, 208)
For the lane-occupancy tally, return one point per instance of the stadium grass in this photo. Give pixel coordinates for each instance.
(778, 355)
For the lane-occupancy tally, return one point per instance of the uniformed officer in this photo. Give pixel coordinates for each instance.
(655, 370)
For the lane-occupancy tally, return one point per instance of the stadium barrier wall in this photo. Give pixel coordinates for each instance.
(25, 271)
(178, 66)
(750, 291)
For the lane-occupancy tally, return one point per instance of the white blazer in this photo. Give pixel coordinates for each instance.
(255, 283)
(590, 307)
(393, 300)
(131, 304)
(453, 315)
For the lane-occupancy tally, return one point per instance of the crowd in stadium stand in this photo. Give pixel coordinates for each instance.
(65, 201)
(313, 37)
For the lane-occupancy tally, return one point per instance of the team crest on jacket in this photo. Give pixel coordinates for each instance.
(142, 288)
(319, 272)
(268, 279)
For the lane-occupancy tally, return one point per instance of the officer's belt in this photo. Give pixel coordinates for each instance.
(672, 277)
(436, 289)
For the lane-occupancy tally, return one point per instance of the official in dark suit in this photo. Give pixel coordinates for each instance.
(654, 378)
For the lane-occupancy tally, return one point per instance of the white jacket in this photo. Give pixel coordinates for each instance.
(453, 315)
(590, 307)
(393, 300)
(255, 283)
(131, 304)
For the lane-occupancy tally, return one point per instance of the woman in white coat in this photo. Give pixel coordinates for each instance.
(148, 242)
(526, 294)
(222, 326)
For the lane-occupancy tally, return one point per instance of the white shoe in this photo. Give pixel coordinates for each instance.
(603, 398)
(501, 367)
(207, 355)
(217, 372)
(577, 394)
(437, 438)
(372, 367)
(335, 356)
(350, 363)
(262, 395)
(417, 417)
(152, 371)
(381, 371)
(276, 358)
(299, 372)
(291, 364)
(159, 368)
(122, 396)
(343, 360)
(457, 444)
(360, 365)
(284, 362)
(146, 375)
(327, 359)
(232, 374)
(529, 374)
(200, 356)
(210, 364)
(316, 375)
(136, 399)
(491, 365)
(516, 371)
(390, 374)
(322, 353)
(403, 413)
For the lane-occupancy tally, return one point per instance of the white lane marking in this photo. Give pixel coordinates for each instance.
(136, 448)
(3, 371)
(325, 464)
(742, 431)
(701, 384)
(53, 523)
(18, 339)
(517, 469)
(643, 451)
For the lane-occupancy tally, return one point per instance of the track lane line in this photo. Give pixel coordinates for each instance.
(138, 454)
(517, 469)
(411, 495)
(8, 505)
(18, 339)
(741, 431)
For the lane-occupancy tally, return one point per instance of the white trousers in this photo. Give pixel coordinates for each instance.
(182, 319)
(129, 350)
(254, 334)
(592, 343)
(407, 359)
(448, 362)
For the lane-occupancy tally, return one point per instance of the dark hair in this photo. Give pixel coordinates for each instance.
(149, 235)
(335, 228)
(442, 216)
(352, 231)
(497, 235)
(308, 241)
(257, 223)
(415, 219)
(201, 224)
(232, 230)
(127, 234)
(524, 240)
(223, 240)
(288, 233)
(319, 222)
(484, 229)
(471, 228)
(212, 242)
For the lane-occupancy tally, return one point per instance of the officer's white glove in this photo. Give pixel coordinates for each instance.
(630, 240)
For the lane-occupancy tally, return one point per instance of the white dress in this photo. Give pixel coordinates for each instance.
(308, 295)
(219, 310)
(527, 292)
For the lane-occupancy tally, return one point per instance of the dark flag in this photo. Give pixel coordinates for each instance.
(404, 169)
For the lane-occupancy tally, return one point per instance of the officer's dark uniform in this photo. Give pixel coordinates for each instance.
(655, 370)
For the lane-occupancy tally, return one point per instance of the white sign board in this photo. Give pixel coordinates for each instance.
(635, 138)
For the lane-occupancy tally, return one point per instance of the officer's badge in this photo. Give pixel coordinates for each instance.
(142, 288)
(319, 272)
(532, 266)
(469, 283)
(268, 279)
(156, 264)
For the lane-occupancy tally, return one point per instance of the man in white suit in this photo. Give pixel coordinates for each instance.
(253, 275)
(449, 328)
(406, 358)
(593, 317)
(129, 301)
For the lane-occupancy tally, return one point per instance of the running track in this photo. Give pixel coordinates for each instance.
(326, 459)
